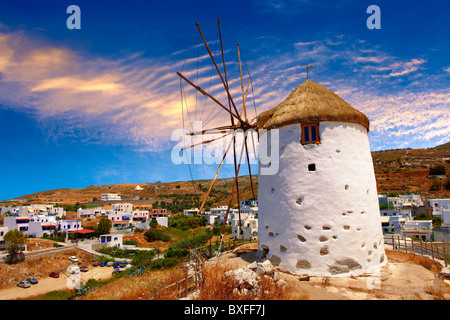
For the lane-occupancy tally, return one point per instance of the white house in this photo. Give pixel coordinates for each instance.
(423, 228)
(112, 240)
(437, 205)
(394, 220)
(3, 231)
(35, 209)
(69, 225)
(139, 215)
(445, 217)
(89, 213)
(122, 208)
(110, 197)
(317, 193)
(191, 212)
(248, 226)
(412, 199)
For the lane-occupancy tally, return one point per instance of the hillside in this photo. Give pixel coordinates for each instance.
(401, 170)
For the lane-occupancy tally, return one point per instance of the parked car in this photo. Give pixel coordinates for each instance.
(73, 269)
(96, 263)
(109, 264)
(116, 264)
(84, 268)
(103, 263)
(116, 271)
(73, 258)
(23, 284)
(122, 264)
(32, 280)
(128, 266)
(54, 274)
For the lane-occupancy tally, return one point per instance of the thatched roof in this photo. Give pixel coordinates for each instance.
(311, 102)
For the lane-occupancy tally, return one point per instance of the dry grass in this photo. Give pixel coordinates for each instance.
(131, 288)
(402, 257)
(216, 285)
(435, 290)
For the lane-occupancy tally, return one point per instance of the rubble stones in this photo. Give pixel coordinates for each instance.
(246, 279)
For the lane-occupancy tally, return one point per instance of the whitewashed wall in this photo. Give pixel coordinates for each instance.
(323, 222)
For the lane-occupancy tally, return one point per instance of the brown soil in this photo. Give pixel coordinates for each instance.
(406, 276)
(40, 267)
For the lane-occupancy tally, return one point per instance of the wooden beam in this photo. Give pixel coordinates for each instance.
(218, 71)
(208, 95)
(242, 83)
(206, 141)
(215, 176)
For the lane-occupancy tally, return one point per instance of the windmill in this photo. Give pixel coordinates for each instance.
(228, 100)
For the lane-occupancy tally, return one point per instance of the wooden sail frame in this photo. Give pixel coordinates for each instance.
(238, 120)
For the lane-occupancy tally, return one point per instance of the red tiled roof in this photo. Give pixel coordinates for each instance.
(82, 231)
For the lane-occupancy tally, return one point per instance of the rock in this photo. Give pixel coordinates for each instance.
(253, 265)
(269, 269)
(259, 270)
(445, 273)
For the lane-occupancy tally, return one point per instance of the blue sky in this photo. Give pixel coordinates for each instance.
(98, 105)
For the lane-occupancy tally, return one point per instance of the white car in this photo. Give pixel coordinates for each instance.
(73, 269)
(73, 258)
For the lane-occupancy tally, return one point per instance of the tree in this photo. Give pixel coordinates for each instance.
(153, 224)
(15, 241)
(103, 227)
(437, 170)
(435, 185)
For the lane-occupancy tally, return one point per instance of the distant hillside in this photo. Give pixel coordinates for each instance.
(401, 170)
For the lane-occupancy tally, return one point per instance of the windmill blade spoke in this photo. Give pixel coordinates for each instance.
(208, 95)
(206, 141)
(218, 71)
(249, 167)
(235, 186)
(217, 173)
(222, 129)
(244, 99)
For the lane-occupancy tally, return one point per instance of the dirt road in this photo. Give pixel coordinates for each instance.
(50, 284)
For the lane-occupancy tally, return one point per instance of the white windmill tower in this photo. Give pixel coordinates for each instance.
(319, 213)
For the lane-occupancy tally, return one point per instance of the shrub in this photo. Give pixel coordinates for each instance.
(193, 242)
(176, 253)
(435, 185)
(437, 170)
(155, 235)
(57, 295)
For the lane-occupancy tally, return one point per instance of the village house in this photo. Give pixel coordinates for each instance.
(112, 240)
(437, 205)
(248, 226)
(90, 213)
(394, 220)
(122, 208)
(34, 209)
(3, 231)
(421, 228)
(111, 197)
(191, 212)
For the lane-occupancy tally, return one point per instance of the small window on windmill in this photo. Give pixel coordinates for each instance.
(310, 133)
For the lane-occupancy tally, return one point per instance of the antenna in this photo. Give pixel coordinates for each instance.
(307, 73)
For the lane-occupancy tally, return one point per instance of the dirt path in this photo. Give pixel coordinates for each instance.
(405, 277)
(50, 284)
